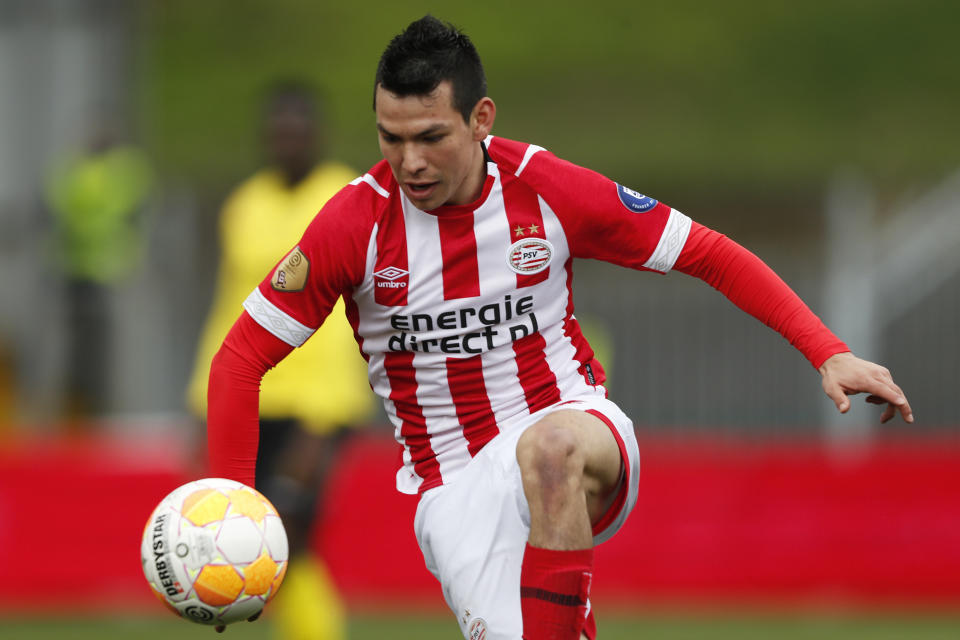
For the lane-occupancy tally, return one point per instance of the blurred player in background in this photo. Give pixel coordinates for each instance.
(454, 255)
(97, 196)
(308, 402)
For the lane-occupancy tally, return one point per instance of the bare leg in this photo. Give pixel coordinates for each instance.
(570, 465)
(571, 468)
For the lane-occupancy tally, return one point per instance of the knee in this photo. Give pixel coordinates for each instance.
(550, 456)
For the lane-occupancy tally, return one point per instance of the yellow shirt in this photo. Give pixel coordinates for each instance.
(324, 382)
(96, 199)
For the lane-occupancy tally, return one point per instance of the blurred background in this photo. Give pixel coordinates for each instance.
(821, 135)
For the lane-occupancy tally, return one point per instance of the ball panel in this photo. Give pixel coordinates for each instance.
(205, 506)
(259, 575)
(239, 540)
(247, 503)
(276, 538)
(277, 581)
(195, 611)
(218, 585)
(160, 566)
(196, 547)
(242, 609)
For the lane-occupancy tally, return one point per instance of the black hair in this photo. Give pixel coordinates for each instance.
(427, 53)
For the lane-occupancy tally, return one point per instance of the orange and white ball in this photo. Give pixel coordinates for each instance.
(214, 551)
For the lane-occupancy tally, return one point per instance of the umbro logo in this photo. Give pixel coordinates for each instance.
(390, 278)
(390, 273)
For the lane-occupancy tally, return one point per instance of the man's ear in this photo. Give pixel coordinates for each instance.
(481, 120)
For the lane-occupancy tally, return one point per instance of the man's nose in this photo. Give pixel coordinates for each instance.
(413, 160)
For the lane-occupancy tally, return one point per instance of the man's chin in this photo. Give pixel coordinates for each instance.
(424, 203)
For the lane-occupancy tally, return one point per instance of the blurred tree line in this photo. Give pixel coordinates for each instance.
(685, 100)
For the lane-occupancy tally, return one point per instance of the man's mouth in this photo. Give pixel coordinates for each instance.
(420, 189)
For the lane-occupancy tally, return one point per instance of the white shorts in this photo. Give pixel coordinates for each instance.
(473, 532)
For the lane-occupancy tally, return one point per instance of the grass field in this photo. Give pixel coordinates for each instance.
(674, 626)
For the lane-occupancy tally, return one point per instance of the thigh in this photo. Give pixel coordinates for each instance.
(619, 505)
(473, 534)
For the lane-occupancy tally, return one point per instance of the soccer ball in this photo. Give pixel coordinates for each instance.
(214, 551)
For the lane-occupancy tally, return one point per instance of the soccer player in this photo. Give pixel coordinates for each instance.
(454, 257)
(308, 403)
(98, 196)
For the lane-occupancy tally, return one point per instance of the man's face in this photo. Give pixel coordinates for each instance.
(434, 154)
(290, 138)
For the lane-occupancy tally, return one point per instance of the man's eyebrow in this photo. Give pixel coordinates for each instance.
(437, 128)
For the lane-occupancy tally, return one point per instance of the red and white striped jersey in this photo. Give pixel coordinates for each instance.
(465, 313)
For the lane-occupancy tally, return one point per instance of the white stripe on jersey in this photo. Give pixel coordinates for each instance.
(407, 480)
(370, 180)
(671, 243)
(531, 149)
(276, 321)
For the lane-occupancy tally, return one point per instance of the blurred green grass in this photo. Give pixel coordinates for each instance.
(668, 626)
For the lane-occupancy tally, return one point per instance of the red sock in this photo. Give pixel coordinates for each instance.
(554, 592)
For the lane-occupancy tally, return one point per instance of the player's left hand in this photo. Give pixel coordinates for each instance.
(845, 374)
(220, 628)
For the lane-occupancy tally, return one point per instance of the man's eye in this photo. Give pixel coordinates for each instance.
(433, 139)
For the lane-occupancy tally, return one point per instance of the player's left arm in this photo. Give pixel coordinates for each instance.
(605, 221)
(753, 286)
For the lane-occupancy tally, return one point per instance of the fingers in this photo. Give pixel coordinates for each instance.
(906, 412)
(888, 413)
(851, 375)
(836, 393)
(884, 388)
(887, 390)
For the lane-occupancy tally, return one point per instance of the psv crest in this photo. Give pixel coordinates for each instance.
(530, 255)
(477, 629)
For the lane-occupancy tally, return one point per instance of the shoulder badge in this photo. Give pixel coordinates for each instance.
(634, 200)
(291, 274)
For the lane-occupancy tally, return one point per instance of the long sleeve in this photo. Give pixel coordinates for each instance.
(233, 420)
(751, 285)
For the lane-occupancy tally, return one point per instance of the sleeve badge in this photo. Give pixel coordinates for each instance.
(634, 200)
(291, 274)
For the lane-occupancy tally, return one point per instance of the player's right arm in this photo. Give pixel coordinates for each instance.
(233, 398)
(280, 314)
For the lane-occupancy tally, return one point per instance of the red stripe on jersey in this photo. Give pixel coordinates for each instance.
(391, 276)
(458, 247)
(353, 317)
(590, 368)
(509, 153)
(525, 220)
(538, 381)
(403, 393)
(469, 393)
